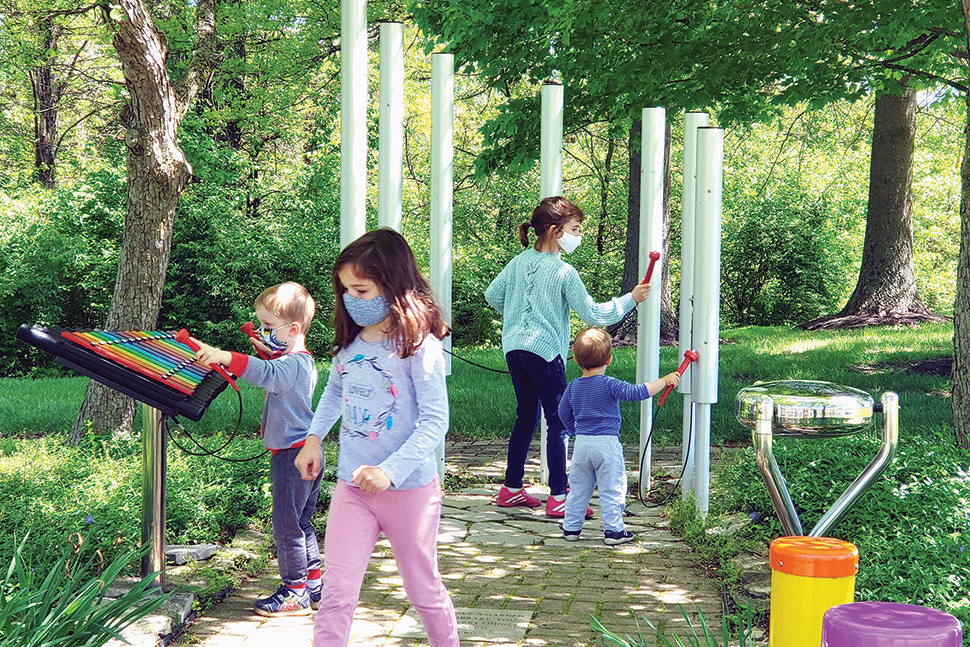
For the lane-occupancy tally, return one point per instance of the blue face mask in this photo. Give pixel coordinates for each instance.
(268, 337)
(367, 312)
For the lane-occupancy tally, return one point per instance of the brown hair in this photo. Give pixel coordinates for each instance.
(551, 213)
(384, 257)
(593, 348)
(290, 302)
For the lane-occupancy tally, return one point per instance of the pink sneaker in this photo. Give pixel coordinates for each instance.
(557, 509)
(508, 499)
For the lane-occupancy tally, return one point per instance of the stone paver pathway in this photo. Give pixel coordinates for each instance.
(504, 558)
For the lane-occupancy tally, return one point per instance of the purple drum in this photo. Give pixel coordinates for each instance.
(889, 624)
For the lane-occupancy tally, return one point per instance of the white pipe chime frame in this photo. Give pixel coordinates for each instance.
(550, 184)
(442, 197)
(653, 135)
(390, 182)
(353, 120)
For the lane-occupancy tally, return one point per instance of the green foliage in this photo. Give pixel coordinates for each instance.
(781, 262)
(58, 264)
(65, 604)
(95, 490)
(224, 255)
(700, 635)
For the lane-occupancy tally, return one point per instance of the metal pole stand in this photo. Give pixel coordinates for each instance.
(155, 425)
(809, 409)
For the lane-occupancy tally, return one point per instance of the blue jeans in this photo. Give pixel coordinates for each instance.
(597, 462)
(293, 502)
(536, 382)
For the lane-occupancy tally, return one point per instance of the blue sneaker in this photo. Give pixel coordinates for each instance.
(617, 537)
(284, 602)
(315, 592)
(571, 535)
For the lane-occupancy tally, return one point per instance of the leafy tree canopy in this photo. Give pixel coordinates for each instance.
(743, 58)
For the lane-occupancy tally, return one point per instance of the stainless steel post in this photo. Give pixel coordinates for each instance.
(153, 494)
(761, 436)
(890, 436)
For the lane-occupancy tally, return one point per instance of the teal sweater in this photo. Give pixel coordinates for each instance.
(535, 292)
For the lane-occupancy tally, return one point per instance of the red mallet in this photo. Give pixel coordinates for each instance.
(689, 356)
(247, 328)
(654, 257)
(182, 337)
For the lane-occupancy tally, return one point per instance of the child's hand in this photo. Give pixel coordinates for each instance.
(370, 479)
(260, 346)
(310, 459)
(672, 379)
(640, 292)
(211, 355)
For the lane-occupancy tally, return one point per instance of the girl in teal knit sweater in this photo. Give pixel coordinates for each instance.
(535, 293)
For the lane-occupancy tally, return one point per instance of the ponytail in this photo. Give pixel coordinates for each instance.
(524, 233)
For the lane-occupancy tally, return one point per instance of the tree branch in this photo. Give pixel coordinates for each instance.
(205, 57)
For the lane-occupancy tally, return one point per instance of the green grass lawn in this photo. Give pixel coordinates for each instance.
(912, 528)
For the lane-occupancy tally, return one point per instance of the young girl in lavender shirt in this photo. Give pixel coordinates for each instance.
(387, 387)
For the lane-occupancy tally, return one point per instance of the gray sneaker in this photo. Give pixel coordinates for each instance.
(615, 538)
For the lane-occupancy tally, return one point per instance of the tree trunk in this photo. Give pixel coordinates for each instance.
(961, 306)
(46, 103)
(886, 290)
(627, 329)
(157, 172)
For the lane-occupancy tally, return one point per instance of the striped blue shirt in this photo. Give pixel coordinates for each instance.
(535, 292)
(590, 405)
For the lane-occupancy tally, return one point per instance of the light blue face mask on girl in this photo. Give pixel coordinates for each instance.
(268, 337)
(367, 312)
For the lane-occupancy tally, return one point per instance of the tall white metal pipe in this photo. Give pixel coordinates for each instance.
(651, 239)
(550, 184)
(442, 194)
(550, 144)
(391, 126)
(707, 294)
(353, 119)
(692, 121)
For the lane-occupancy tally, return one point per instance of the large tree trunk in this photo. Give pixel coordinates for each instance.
(157, 172)
(46, 102)
(886, 290)
(627, 329)
(961, 306)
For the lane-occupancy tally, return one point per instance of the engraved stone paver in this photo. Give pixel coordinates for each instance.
(507, 562)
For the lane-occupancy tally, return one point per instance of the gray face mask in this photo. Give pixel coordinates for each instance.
(366, 312)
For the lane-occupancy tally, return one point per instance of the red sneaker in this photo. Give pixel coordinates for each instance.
(557, 509)
(508, 499)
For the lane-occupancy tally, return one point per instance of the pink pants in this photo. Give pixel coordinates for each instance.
(409, 520)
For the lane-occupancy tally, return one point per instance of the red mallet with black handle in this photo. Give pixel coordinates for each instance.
(654, 257)
(689, 356)
(247, 328)
(182, 337)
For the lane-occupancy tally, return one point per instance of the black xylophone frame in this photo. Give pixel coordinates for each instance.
(159, 403)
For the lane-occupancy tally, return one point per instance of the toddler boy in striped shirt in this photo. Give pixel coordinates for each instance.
(590, 410)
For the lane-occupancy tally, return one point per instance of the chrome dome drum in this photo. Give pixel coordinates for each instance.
(808, 408)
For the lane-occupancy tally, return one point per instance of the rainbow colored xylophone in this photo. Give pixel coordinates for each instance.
(149, 366)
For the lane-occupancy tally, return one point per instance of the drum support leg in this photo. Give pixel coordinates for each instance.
(153, 494)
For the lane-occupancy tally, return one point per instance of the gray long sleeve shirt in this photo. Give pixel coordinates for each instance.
(393, 411)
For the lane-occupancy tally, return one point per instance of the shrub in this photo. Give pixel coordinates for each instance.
(782, 262)
(65, 605)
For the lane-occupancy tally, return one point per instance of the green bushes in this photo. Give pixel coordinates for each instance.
(782, 262)
(95, 490)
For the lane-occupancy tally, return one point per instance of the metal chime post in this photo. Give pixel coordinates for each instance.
(153, 494)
